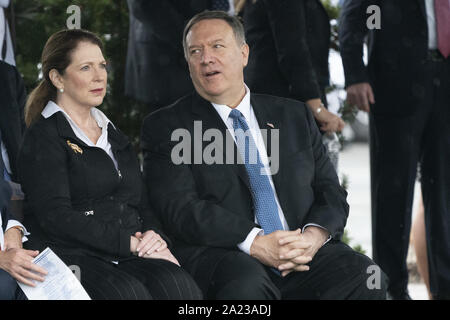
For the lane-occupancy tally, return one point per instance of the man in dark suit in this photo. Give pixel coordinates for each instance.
(156, 72)
(406, 89)
(15, 262)
(241, 232)
(12, 97)
(290, 41)
(12, 125)
(13, 258)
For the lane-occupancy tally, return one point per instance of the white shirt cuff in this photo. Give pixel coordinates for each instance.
(247, 243)
(13, 223)
(316, 225)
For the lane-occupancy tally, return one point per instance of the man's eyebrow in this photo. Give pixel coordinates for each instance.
(212, 41)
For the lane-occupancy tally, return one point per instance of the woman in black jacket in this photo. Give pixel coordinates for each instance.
(84, 193)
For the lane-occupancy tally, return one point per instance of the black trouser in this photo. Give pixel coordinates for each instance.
(398, 144)
(336, 272)
(135, 279)
(9, 290)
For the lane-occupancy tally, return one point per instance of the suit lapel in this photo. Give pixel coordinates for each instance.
(203, 111)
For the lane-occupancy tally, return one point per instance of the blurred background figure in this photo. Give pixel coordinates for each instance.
(12, 125)
(7, 32)
(290, 42)
(405, 88)
(156, 71)
(14, 260)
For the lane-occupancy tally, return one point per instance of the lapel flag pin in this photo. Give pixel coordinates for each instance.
(270, 125)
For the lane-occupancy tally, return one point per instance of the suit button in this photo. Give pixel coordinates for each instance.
(111, 198)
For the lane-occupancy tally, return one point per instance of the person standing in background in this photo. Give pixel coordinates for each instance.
(156, 71)
(290, 41)
(405, 89)
(12, 126)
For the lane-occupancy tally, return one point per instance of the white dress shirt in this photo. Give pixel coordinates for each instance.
(102, 121)
(247, 111)
(431, 22)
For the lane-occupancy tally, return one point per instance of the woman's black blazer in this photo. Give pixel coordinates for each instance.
(76, 201)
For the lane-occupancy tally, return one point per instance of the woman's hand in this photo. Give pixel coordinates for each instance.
(329, 122)
(162, 254)
(149, 243)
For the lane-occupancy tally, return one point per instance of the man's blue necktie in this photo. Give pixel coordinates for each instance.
(266, 209)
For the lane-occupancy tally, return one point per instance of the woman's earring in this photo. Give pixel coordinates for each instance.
(61, 90)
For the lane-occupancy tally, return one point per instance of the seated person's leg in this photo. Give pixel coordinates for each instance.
(163, 280)
(336, 272)
(8, 286)
(104, 281)
(227, 275)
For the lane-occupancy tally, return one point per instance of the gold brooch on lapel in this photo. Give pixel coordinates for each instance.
(75, 147)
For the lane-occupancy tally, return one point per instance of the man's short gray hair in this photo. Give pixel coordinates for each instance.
(233, 22)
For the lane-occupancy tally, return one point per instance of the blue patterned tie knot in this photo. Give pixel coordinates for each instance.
(266, 209)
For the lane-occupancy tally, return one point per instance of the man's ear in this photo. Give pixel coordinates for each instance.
(56, 78)
(245, 49)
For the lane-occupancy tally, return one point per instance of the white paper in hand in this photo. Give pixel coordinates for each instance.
(60, 283)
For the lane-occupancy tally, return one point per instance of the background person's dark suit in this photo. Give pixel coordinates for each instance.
(208, 209)
(79, 205)
(156, 71)
(12, 103)
(8, 285)
(408, 124)
(290, 40)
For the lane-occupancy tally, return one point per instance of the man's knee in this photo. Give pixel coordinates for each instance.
(373, 282)
(249, 288)
(240, 276)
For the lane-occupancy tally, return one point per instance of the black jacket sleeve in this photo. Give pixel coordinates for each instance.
(352, 32)
(330, 208)
(5, 197)
(150, 220)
